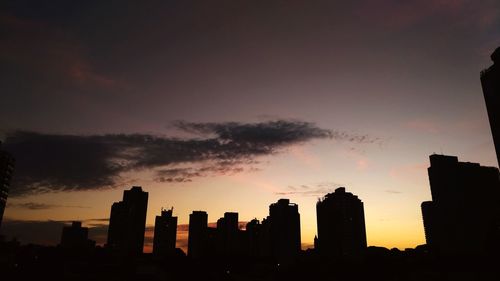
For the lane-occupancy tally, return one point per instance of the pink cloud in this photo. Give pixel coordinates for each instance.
(396, 15)
(409, 171)
(50, 53)
(423, 125)
(82, 72)
(362, 164)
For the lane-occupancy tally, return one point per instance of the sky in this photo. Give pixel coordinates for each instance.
(231, 105)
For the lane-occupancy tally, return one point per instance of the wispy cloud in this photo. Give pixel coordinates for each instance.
(396, 15)
(58, 55)
(48, 232)
(423, 125)
(409, 171)
(393, 191)
(50, 162)
(318, 189)
(41, 206)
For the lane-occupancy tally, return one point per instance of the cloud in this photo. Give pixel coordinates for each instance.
(409, 171)
(59, 58)
(186, 174)
(319, 189)
(397, 15)
(48, 232)
(422, 125)
(37, 232)
(40, 206)
(307, 245)
(52, 162)
(393, 191)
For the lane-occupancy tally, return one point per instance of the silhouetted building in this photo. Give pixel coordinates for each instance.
(428, 216)
(228, 236)
(490, 81)
(284, 230)
(127, 222)
(197, 236)
(6, 170)
(165, 234)
(463, 217)
(75, 237)
(341, 225)
(254, 229)
(211, 246)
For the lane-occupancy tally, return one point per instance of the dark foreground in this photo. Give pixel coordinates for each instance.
(33, 262)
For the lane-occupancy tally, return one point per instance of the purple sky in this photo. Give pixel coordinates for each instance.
(319, 94)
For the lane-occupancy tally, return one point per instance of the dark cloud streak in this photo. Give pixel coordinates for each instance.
(41, 206)
(50, 162)
(319, 189)
(48, 232)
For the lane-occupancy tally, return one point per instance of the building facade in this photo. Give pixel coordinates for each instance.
(198, 234)
(284, 219)
(228, 241)
(490, 81)
(165, 234)
(75, 237)
(463, 218)
(341, 225)
(6, 171)
(127, 222)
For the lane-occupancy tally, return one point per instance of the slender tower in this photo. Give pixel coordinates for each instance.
(127, 222)
(490, 80)
(341, 225)
(165, 234)
(6, 170)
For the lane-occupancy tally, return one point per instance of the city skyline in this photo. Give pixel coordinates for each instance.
(229, 109)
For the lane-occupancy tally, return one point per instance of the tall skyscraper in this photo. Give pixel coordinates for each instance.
(6, 170)
(284, 233)
(253, 229)
(75, 237)
(341, 225)
(165, 234)
(228, 243)
(198, 234)
(258, 238)
(127, 222)
(463, 217)
(490, 80)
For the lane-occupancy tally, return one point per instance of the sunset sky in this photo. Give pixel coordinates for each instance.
(231, 105)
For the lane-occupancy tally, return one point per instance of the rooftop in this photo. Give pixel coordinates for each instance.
(495, 56)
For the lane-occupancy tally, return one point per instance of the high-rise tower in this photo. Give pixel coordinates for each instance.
(127, 222)
(165, 234)
(341, 225)
(490, 80)
(6, 170)
(463, 217)
(198, 234)
(284, 221)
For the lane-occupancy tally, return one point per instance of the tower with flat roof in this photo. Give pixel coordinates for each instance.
(463, 218)
(127, 222)
(284, 219)
(490, 81)
(198, 234)
(6, 171)
(341, 225)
